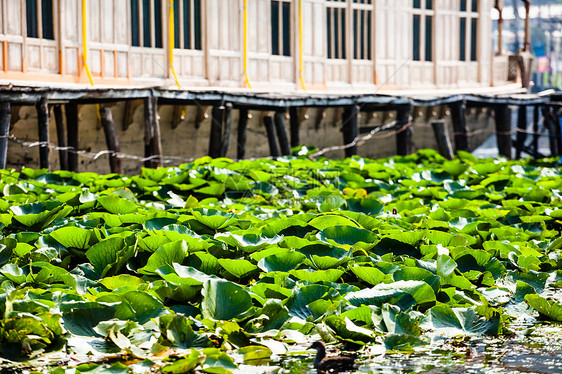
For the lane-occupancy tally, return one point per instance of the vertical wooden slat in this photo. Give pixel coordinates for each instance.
(442, 138)
(281, 131)
(61, 137)
(350, 118)
(241, 140)
(42, 107)
(71, 111)
(111, 139)
(404, 144)
(271, 138)
(5, 117)
(458, 117)
(295, 125)
(215, 139)
(503, 129)
(521, 130)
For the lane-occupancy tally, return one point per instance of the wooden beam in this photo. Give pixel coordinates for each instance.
(111, 139)
(129, 112)
(201, 115)
(458, 117)
(71, 111)
(404, 144)
(503, 129)
(42, 107)
(521, 130)
(295, 126)
(241, 139)
(61, 137)
(350, 128)
(180, 111)
(271, 138)
(281, 132)
(320, 117)
(442, 138)
(5, 117)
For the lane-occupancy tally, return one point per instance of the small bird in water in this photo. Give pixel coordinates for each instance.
(330, 364)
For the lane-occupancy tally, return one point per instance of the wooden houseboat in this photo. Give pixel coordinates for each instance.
(189, 57)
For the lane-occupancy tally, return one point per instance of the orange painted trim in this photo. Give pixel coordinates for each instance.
(115, 67)
(5, 55)
(19, 77)
(62, 65)
(102, 63)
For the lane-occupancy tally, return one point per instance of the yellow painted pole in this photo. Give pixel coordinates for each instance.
(85, 43)
(245, 57)
(301, 78)
(172, 41)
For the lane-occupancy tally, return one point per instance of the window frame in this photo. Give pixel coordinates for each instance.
(192, 29)
(336, 29)
(423, 19)
(362, 31)
(469, 22)
(39, 20)
(154, 27)
(283, 47)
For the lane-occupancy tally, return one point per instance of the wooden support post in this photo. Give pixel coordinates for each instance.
(178, 115)
(5, 117)
(404, 144)
(43, 131)
(271, 138)
(152, 142)
(442, 138)
(241, 140)
(458, 118)
(536, 118)
(503, 129)
(61, 137)
(350, 129)
(295, 125)
(217, 123)
(281, 131)
(227, 129)
(111, 139)
(521, 130)
(557, 130)
(71, 111)
(549, 125)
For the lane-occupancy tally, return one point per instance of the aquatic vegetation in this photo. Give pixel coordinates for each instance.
(216, 264)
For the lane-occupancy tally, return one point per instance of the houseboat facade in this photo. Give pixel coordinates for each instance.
(273, 44)
(158, 82)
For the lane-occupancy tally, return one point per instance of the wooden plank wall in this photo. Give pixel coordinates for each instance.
(219, 61)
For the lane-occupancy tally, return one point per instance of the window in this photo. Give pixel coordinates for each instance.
(39, 14)
(187, 24)
(422, 27)
(468, 30)
(362, 19)
(335, 28)
(146, 23)
(281, 28)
